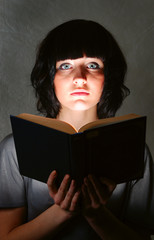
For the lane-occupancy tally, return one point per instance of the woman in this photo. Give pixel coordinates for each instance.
(78, 77)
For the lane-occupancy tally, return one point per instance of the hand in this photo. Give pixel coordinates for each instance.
(95, 192)
(66, 195)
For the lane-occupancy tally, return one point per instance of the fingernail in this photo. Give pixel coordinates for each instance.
(89, 176)
(73, 182)
(54, 172)
(67, 176)
(85, 180)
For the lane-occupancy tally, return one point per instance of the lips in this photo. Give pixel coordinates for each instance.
(80, 93)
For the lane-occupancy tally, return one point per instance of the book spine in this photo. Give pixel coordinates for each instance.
(77, 157)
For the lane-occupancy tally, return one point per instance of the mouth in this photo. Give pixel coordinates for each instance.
(80, 92)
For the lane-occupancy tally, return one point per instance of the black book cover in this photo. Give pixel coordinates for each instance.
(115, 151)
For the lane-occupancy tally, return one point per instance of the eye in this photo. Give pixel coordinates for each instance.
(93, 65)
(65, 66)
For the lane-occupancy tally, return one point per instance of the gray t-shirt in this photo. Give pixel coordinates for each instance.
(131, 202)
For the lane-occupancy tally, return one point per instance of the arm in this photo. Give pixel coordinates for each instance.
(107, 226)
(13, 224)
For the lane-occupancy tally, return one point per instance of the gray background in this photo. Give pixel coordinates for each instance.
(23, 24)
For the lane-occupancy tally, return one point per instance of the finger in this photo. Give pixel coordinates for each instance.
(109, 183)
(108, 187)
(69, 195)
(75, 201)
(85, 195)
(95, 181)
(96, 185)
(51, 183)
(62, 189)
(91, 190)
(103, 188)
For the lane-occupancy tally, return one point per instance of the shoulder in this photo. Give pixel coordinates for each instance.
(148, 167)
(7, 150)
(144, 184)
(147, 155)
(140, 201)
(12, 188)
(7, 143)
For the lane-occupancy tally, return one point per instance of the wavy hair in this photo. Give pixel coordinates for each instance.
(71, 40)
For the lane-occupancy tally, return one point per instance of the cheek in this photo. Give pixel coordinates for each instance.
(99, 88)
(100, 84)
(57, 86)
(58, 92)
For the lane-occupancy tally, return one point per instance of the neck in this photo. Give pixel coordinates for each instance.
(78, 118)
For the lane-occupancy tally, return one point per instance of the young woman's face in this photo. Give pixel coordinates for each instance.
(79, 83)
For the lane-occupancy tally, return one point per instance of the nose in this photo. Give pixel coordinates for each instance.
(79, 81)
(80, 77)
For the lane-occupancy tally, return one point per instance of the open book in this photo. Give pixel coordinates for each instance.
(112, 147)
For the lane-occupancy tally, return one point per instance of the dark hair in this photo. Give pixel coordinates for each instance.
(72, 40)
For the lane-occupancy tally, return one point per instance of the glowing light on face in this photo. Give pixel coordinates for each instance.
(79, 82)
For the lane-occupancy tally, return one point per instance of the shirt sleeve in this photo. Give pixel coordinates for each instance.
(140, 205)
(12, 190)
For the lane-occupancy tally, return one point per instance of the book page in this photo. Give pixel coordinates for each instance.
(108, 121)
(49, 122)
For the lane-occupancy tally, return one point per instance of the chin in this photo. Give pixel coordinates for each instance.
(81, 107)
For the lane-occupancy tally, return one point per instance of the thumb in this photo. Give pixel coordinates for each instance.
(51, 183)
